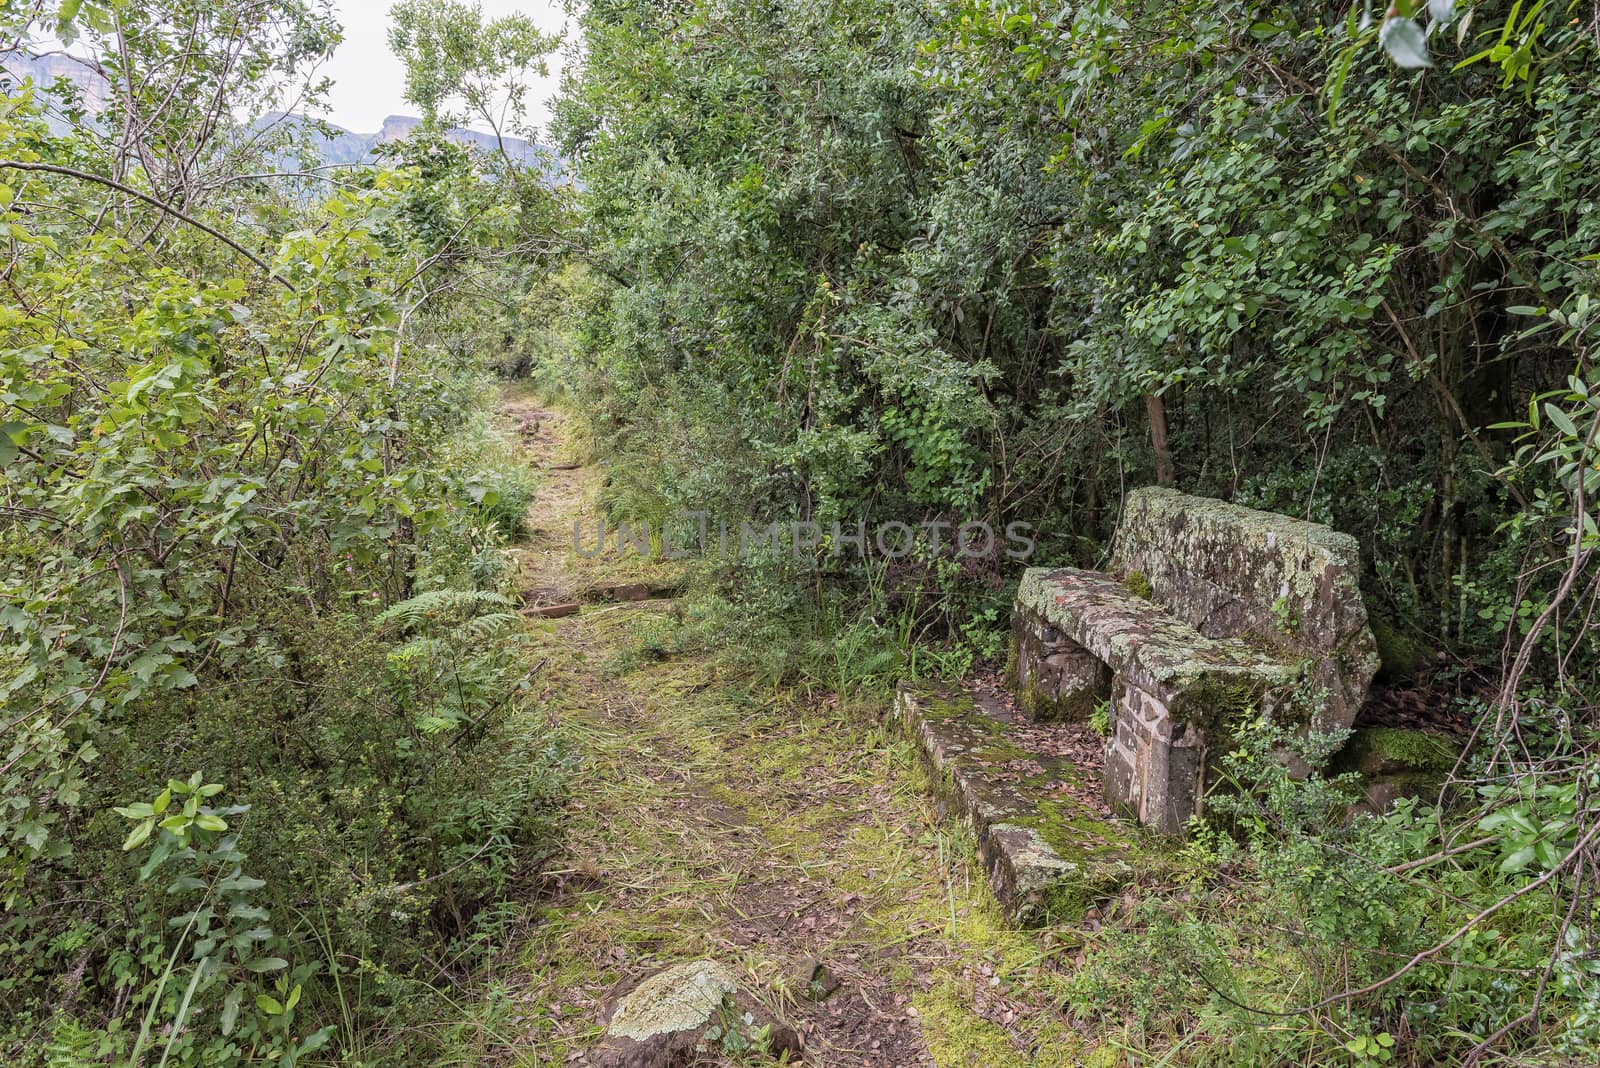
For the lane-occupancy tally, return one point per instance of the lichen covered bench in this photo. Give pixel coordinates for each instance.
(1211, 609)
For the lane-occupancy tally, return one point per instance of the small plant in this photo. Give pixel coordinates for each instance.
(738, 1037)
(1138, 584)
(503, 495)
(1371, 1051)
(1284, 615)
(1100, 719)
(984, 634)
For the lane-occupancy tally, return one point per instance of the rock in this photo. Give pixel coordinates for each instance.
(1380, 751)
(555, 611)
(812, 980)
(1400, 654)
(1396, 763)
(677, 1016)
(623, 591)
(1169, 689)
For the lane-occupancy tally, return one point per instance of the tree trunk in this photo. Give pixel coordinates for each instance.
(1156, 409)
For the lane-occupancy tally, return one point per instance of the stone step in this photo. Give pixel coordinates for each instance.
(1049, 853)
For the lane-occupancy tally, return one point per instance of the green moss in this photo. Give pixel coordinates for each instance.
(1053, 774)
(958, 1037)
(1099, 849)
(1399, 654)
(1138, 584)
(1216, 707)
(1077, 834)
(1376, 750)
(1001, 752)
(1066, 902)
(940, 704)
(1043, 707)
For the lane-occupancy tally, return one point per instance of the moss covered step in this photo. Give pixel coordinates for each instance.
(1049, 855)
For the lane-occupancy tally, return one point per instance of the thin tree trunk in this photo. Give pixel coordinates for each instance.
(1156, 409)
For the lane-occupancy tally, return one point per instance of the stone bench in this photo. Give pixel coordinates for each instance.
(1211, 610)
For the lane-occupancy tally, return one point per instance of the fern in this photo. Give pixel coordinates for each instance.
(420, 649)
(72, 1045)
(491, 625)
(440, 607)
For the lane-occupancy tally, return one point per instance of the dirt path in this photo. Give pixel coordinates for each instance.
(714, 819)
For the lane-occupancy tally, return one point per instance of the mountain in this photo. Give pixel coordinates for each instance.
(329, 145)
(47, 70)
(336, 145)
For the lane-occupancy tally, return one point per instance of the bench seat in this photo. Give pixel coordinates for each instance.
(1131, 635)
(1210, 611)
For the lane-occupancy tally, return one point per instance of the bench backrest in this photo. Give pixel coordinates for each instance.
(1230, 571)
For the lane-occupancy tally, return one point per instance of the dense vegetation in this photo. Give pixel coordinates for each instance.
(265, 778)
(996, 260)
(268, 775)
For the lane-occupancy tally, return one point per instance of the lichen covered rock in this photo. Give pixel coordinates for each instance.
(1086, 612)
(681, 1015)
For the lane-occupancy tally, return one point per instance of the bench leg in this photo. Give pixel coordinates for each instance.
(1155, 768)
(1056, 679)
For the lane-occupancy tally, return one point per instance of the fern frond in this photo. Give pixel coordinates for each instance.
(422, 647)
(440, 607)
(489, 625)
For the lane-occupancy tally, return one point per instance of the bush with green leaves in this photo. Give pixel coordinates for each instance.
(1318, 935)
(224, 946)
(920, 259)
(238, 446)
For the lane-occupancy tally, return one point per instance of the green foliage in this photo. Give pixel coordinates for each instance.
(1370, 1051)
(912, 261)
(230, 961)
(453, 54)
(1291, 903)
(972, 259)
(1100, 719)
(908, 260)
(250, 522)
(1537, 820)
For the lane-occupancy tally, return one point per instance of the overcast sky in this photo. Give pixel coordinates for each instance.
(369, 82)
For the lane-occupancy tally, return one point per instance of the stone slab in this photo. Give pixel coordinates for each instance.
(554, 611)
(1049, 855)
(1140, 638)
